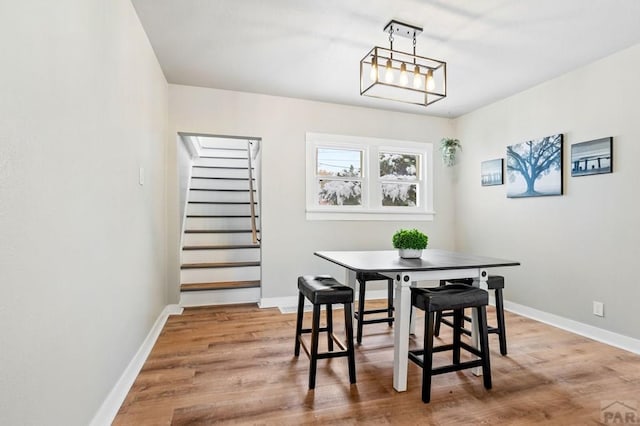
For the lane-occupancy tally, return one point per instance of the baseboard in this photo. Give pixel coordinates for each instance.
(109, 408)
(604, 336)
(219, 297)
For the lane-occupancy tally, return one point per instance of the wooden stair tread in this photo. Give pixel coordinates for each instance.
(224, 158)
(223, 285)
(218, 265)
(218, 231)
(223, 247)
(221, 167)
(221, 202)
(220, 190)
(224, 148)
(221, 178)
(220, 215)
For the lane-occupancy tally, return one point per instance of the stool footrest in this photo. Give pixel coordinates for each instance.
(377, 320)
(337, 341)
(456, 367)
(450, 324)
(415, 357)
(371, 311)
(334, 354)
(494, 330)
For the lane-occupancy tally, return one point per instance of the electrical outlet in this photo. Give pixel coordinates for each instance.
(598, 309)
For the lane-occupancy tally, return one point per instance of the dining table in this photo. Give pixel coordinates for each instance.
(433, 265)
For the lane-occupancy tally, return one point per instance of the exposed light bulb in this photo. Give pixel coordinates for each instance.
(404, 78)
(417, 78)
(373, 74)
(431, 84)
(388, 76)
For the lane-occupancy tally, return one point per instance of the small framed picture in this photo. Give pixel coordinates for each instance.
(592, 157)
(491, 172)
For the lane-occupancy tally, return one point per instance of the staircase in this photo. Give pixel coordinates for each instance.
(220, 245)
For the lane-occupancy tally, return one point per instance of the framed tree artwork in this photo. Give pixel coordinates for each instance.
(534, 168)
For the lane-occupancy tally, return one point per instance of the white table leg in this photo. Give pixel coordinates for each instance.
(402, 305)
(480, 282)
(350, 278)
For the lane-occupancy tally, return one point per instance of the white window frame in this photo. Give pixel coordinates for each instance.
(371, 208)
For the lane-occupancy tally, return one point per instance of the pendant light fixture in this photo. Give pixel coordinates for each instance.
(429, 76)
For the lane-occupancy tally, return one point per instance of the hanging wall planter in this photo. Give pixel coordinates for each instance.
(449, 148)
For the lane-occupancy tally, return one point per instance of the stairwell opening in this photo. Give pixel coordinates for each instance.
(220, 246)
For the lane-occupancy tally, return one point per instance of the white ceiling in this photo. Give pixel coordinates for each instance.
(311, 49)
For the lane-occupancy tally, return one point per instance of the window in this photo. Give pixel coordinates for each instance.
(339, 176)
(356, 178)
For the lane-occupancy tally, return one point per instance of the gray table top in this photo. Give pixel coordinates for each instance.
(390, 261)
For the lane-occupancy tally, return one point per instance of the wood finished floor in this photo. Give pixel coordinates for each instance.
(235, 365)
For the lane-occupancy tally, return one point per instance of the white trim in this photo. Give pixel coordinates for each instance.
(186, 206)
(324, 215)
(276, 302)
(604, 336)
(109, 408)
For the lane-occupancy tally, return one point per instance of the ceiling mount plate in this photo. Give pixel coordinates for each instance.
(402, 29)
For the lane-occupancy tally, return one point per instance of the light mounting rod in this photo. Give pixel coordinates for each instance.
(402, 29)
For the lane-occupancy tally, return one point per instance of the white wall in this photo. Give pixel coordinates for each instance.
(288, 239)
(576, 248)
(83, 104)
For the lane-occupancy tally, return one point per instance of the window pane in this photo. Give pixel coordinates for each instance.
(399, 194)
(398, 166)
(339, 162)
(340, 193)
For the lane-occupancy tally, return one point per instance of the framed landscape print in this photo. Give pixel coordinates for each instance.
(534, 168)
(592, 157)
(491, 172)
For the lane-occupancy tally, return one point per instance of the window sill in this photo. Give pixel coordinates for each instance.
(378, 216)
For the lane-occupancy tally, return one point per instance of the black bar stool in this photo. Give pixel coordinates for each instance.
(496, 283)
(362, 278)
(455, 297)
(324, 290)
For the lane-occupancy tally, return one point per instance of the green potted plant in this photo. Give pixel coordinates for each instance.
(449, 148)
(410, 243)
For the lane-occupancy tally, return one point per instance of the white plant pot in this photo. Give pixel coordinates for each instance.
(410, 253)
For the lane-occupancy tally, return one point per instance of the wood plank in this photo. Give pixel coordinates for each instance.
(223, 247)
(219, 190)
(220, 202)
(234, 364)
(218, 265)
(220, 178)
(218, 231)
(218, 215)
(220, 167)
(222, 285)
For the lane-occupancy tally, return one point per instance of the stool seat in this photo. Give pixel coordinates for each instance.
(493, 281)
(449, 297)
(322, 289)
(372, 276)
